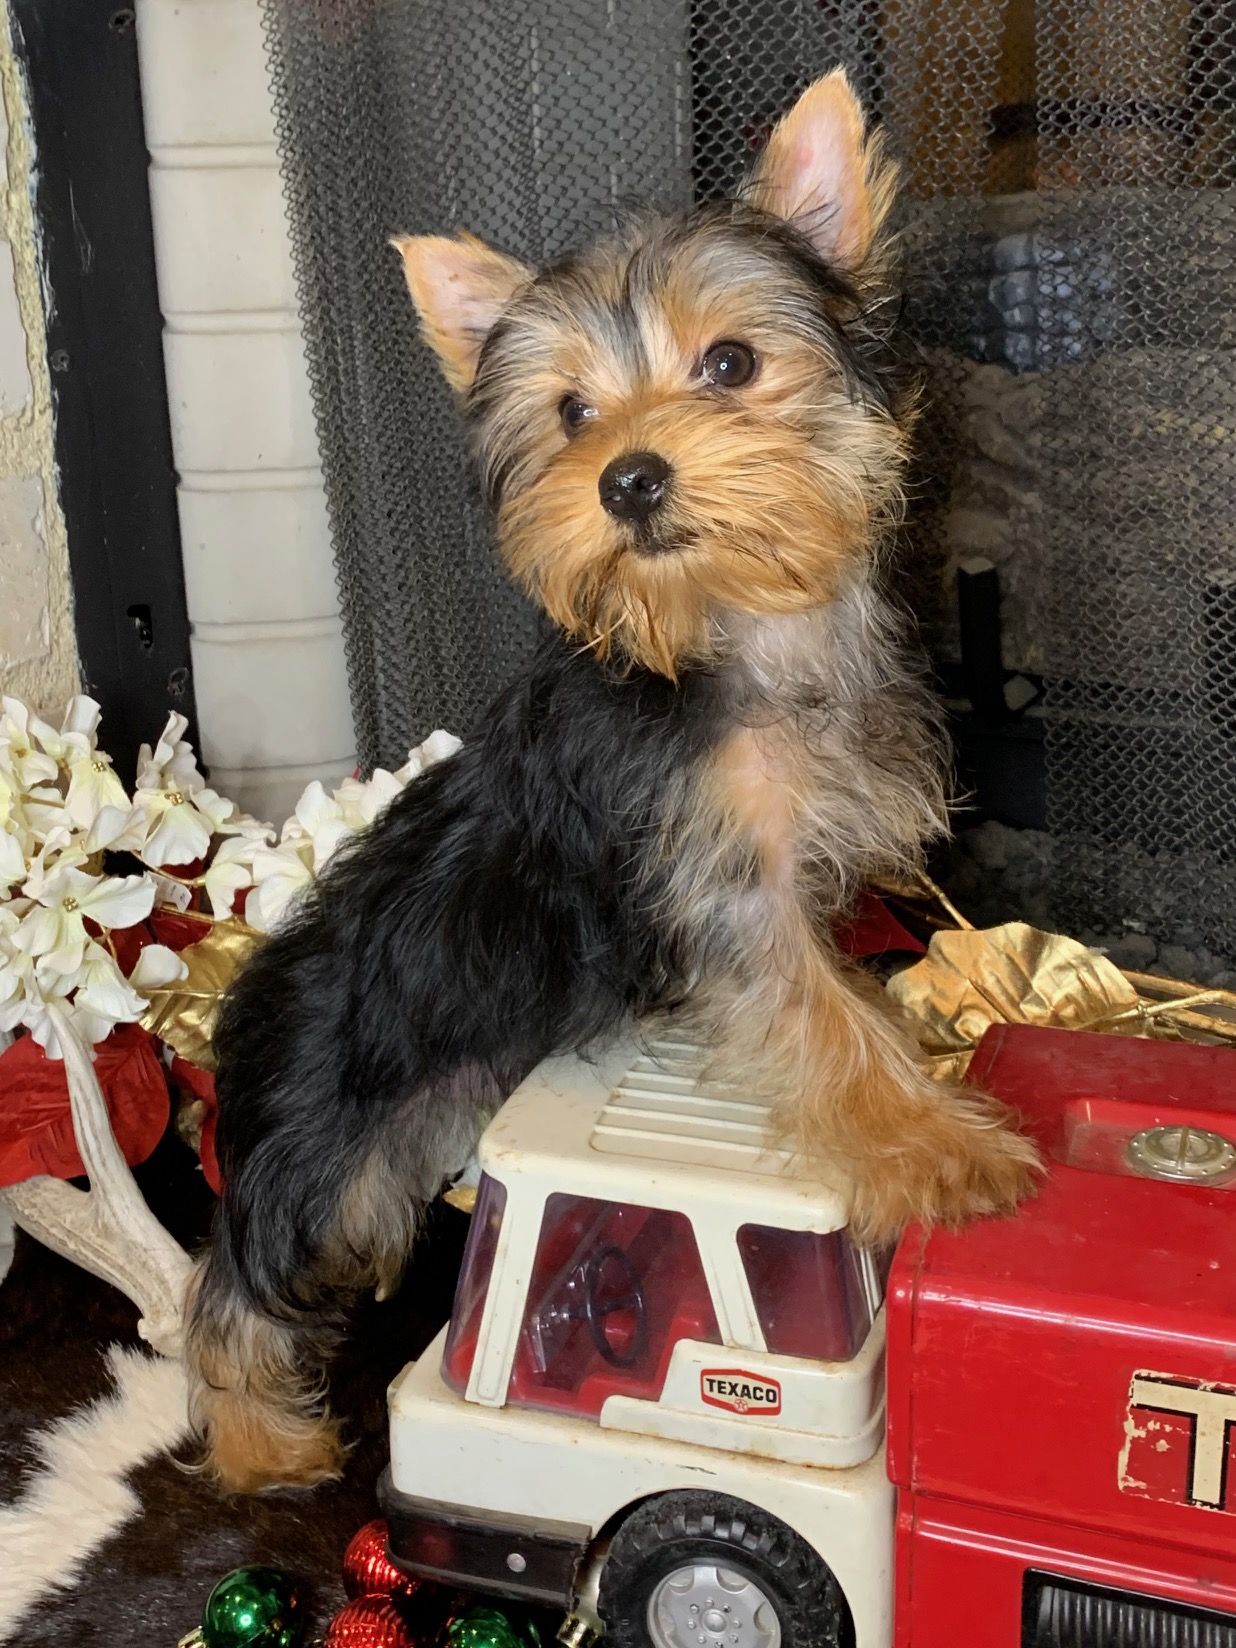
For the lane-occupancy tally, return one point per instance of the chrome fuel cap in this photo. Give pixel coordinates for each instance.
(1186, 1155)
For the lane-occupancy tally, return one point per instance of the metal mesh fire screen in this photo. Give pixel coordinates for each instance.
(1071, 296)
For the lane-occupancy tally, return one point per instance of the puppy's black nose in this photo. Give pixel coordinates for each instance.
(635, 485)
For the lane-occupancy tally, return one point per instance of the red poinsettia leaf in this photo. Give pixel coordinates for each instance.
(873, 930)
(161, 927)
(36, 1123)
(191, 1078)
(210, 1161)
(176, 931)
(128, 943)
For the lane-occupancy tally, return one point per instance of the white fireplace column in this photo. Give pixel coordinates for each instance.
(268, 663)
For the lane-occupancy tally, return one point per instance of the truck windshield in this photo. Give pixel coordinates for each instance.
(614, 1287)
(473, 1283)
(809, 1291)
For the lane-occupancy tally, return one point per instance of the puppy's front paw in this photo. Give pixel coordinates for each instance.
(987, 1171)
(961, 1162)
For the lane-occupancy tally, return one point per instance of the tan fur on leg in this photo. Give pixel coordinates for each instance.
(262, 1426)
(798, 1024)
(853, 1091)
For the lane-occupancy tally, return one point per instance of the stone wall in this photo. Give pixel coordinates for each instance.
(38, 651)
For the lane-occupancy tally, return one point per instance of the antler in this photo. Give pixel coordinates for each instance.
(108, 1229)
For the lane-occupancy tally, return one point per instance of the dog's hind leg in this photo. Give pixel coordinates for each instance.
(256, 1387)
(268, 1308)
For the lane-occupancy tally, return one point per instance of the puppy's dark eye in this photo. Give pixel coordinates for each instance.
(575, 414)
(728, 365)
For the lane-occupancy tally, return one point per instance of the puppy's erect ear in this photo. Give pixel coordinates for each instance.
(459, 286)
(823, 172)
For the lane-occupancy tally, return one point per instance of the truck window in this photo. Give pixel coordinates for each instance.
(808, 1291)
(473, 1284)
(613, 1289)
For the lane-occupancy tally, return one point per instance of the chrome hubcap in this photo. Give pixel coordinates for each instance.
(705, 1606)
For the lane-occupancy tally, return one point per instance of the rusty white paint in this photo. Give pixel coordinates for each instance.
(1211, 1409)
(831, 1413)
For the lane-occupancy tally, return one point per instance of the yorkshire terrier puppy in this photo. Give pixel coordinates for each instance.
(694, 455)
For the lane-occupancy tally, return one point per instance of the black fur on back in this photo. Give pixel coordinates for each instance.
(501, 909)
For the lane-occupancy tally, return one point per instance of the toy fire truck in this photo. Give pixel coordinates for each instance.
(661, 1400)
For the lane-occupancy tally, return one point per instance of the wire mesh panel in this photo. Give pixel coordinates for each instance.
(1070, 284)
(1134, 427)
(527, 124)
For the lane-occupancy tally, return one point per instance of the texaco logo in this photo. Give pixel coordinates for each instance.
(740, 1392)
(1179, 1436)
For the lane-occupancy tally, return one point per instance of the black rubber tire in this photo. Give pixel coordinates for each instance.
(677, 1528)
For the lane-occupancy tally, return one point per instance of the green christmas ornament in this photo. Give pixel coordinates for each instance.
(487, 1626)
(251, 1608)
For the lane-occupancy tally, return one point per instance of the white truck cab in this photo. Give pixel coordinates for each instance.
(660, 1397)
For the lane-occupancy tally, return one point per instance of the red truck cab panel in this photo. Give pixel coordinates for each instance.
(1062, 1385)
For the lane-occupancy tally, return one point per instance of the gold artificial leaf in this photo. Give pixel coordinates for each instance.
(190, 1119)
(183, 1014)
(1015, 974)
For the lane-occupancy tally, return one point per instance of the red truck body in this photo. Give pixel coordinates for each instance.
(1062, 1386)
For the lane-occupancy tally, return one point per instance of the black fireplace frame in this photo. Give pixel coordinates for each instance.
(105, 351)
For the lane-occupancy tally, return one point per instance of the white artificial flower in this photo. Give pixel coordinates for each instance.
(92, 783)
(25, 985)
(174, 814)
(77, 729)
(19, 745)
(10, 796)
(120, 828)
(280, 875)
(17, 843)
(171, 764)
(320, 826)
(13, 870)
(103, 997)
(248, 828)
(230, 870)
(440, 746)
(95, 995)
(92, 787)
(182, 828)
(437, 747)
(156, 967)
(14, 969)
(60, 851)
(43, 811)
(318, 819)
(33, 989)
(54, 929)
(309, 839)
(360, 803)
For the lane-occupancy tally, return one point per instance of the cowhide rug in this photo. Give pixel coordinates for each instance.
(106, 1536)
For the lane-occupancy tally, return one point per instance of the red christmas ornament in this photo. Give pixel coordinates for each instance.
(369, 1622)
(368, 1571)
